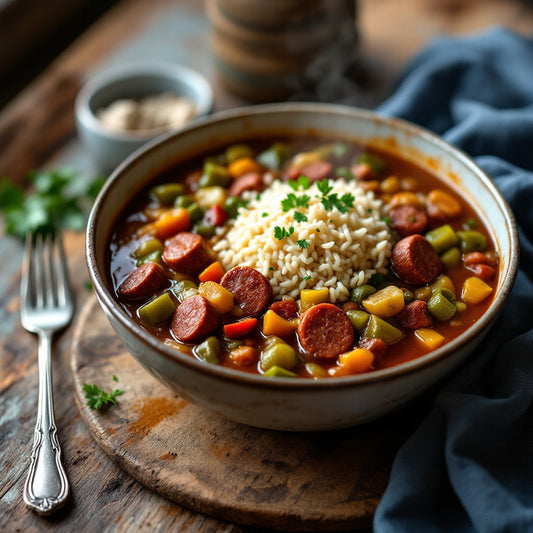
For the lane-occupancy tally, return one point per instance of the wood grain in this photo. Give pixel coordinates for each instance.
(290, 481)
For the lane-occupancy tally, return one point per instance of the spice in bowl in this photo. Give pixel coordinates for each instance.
(163, 111)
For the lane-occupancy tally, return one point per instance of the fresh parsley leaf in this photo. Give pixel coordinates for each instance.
(280, 232)
(303, 182)
(377, 280)
(294, 202)
(299, 217)
(387, 220)
(307, 277)
(97, 398)
(302, 243)
(57, 200)
(342, 204)
(324, 187)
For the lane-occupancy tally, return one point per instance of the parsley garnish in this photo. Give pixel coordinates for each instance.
(324, 187)
(97, 398)
(294, 202)
(300, 217)
(307, 277)
(302, 182)
(387, 220)
(377, 280)
(302, 243)
(332, 201)
(57, 201)
(264, 214)
(280, 232)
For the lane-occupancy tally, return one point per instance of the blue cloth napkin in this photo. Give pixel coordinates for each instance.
(469, 466)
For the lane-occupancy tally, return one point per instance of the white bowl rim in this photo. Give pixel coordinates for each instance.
(108, 299)
(158, 69)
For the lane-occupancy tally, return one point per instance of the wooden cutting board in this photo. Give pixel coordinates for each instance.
(292, 481)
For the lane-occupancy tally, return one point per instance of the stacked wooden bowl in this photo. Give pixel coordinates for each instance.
(268, 50)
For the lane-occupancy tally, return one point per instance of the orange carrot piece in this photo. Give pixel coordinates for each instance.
(240, 328)
(171, 222)
(213, 272)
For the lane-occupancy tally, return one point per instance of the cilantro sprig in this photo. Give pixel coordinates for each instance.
(98, 398)
(58, 199)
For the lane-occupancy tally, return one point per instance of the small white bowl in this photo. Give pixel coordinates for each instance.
(133, 81)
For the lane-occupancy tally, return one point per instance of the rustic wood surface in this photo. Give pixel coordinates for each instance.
(37, 131)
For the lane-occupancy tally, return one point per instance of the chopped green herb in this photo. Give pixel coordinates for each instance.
(89, 285)
(271, 268)
(299, 217)
(344, 172)
(264, 214)
(318, 230)
(294, 202)
(377, 280)
(302, 182)
(412, 218)
(258, 196)
(324, 187)
(302, 243)
(369, 210)
(97, 398)
(280, 232)
(115, 378)
(471, 223)
(387, 220)
(59, 200)
(307, 277)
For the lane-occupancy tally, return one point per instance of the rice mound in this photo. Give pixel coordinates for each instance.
(344, 251)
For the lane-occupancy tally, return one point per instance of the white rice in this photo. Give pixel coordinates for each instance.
(344, 251)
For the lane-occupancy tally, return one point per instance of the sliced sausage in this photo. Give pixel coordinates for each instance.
(415, 261)
(408, 219)
(186, 252)
(325, 331)
(482, 271)
(363, 171)
(414, 315)
(251, 291)
(377, 346)
(143, 282)
(286, 308)
(251, 181)
(317, 170)
(194, 319)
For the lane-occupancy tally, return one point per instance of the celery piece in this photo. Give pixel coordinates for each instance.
(157, 310)
(279, 354)
(275, 156)
(278, 372)
(185, 200)
(442, 238)
(166, 193)
(153, 257)
(209, 350)
(214, 174)
(147, 247)
(358, 318)
(451, 257)
(472, 241)
(362, 292)
(238, 151)
(377, 328)
(440, 305)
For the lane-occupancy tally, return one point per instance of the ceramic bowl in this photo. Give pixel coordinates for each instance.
(133, 81)
(293, 403)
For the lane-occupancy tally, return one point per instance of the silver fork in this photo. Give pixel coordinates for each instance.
(45, 307)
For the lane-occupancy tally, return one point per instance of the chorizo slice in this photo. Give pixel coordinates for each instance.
(408, 219)
(143, 282)
(286, 308)
(325, 331)
(415, 261)
(251, 181)
(194, 319)
(317, 170)
(377, 346)
(186, 252)
(251, 291)
(414, 315)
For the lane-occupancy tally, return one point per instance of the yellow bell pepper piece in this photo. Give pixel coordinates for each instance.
(356, 361)
(209, 196)
(273, 324)
(446, 203)
(429, 337)
(219, 297)
(475, 290)
(385, 302)
(310, 297)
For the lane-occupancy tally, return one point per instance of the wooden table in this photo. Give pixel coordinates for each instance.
(37, 131)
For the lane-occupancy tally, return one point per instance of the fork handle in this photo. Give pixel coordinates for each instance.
(46, 488)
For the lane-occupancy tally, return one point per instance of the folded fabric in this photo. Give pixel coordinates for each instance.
(469, 466)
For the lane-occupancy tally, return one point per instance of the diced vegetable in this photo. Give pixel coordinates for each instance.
(404, 198)
(385, 302)
(279, 354)
(305, 158)
(443, 282)
(171, 222)
(275, 156)
(461, 306)
(204, 230)
(231, 206)
(273, 324)
(243, 166)
(240, 328)
(166, 193)
(451, 257)
(153, 257)
(185, 200)
(310, 297)
(213, 272)
(214, 175)
(184, 288)
(315, 370)
(331, 149)
(219, 297)
(475, 290)
(446, 203)
(358, 318)
(358, 294)
(157, 310)
(441, 306)
(147, 247)
(195, 212)
(278, 372)
(377, 328)
(472, 241)
(423, 293)
(408, 296)
(238, 151)
(343, 172)
(390, 185)
(442, 238)
(210, 196)
(429, 337)
(376, 163)
(209, 350)
(357, 361)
